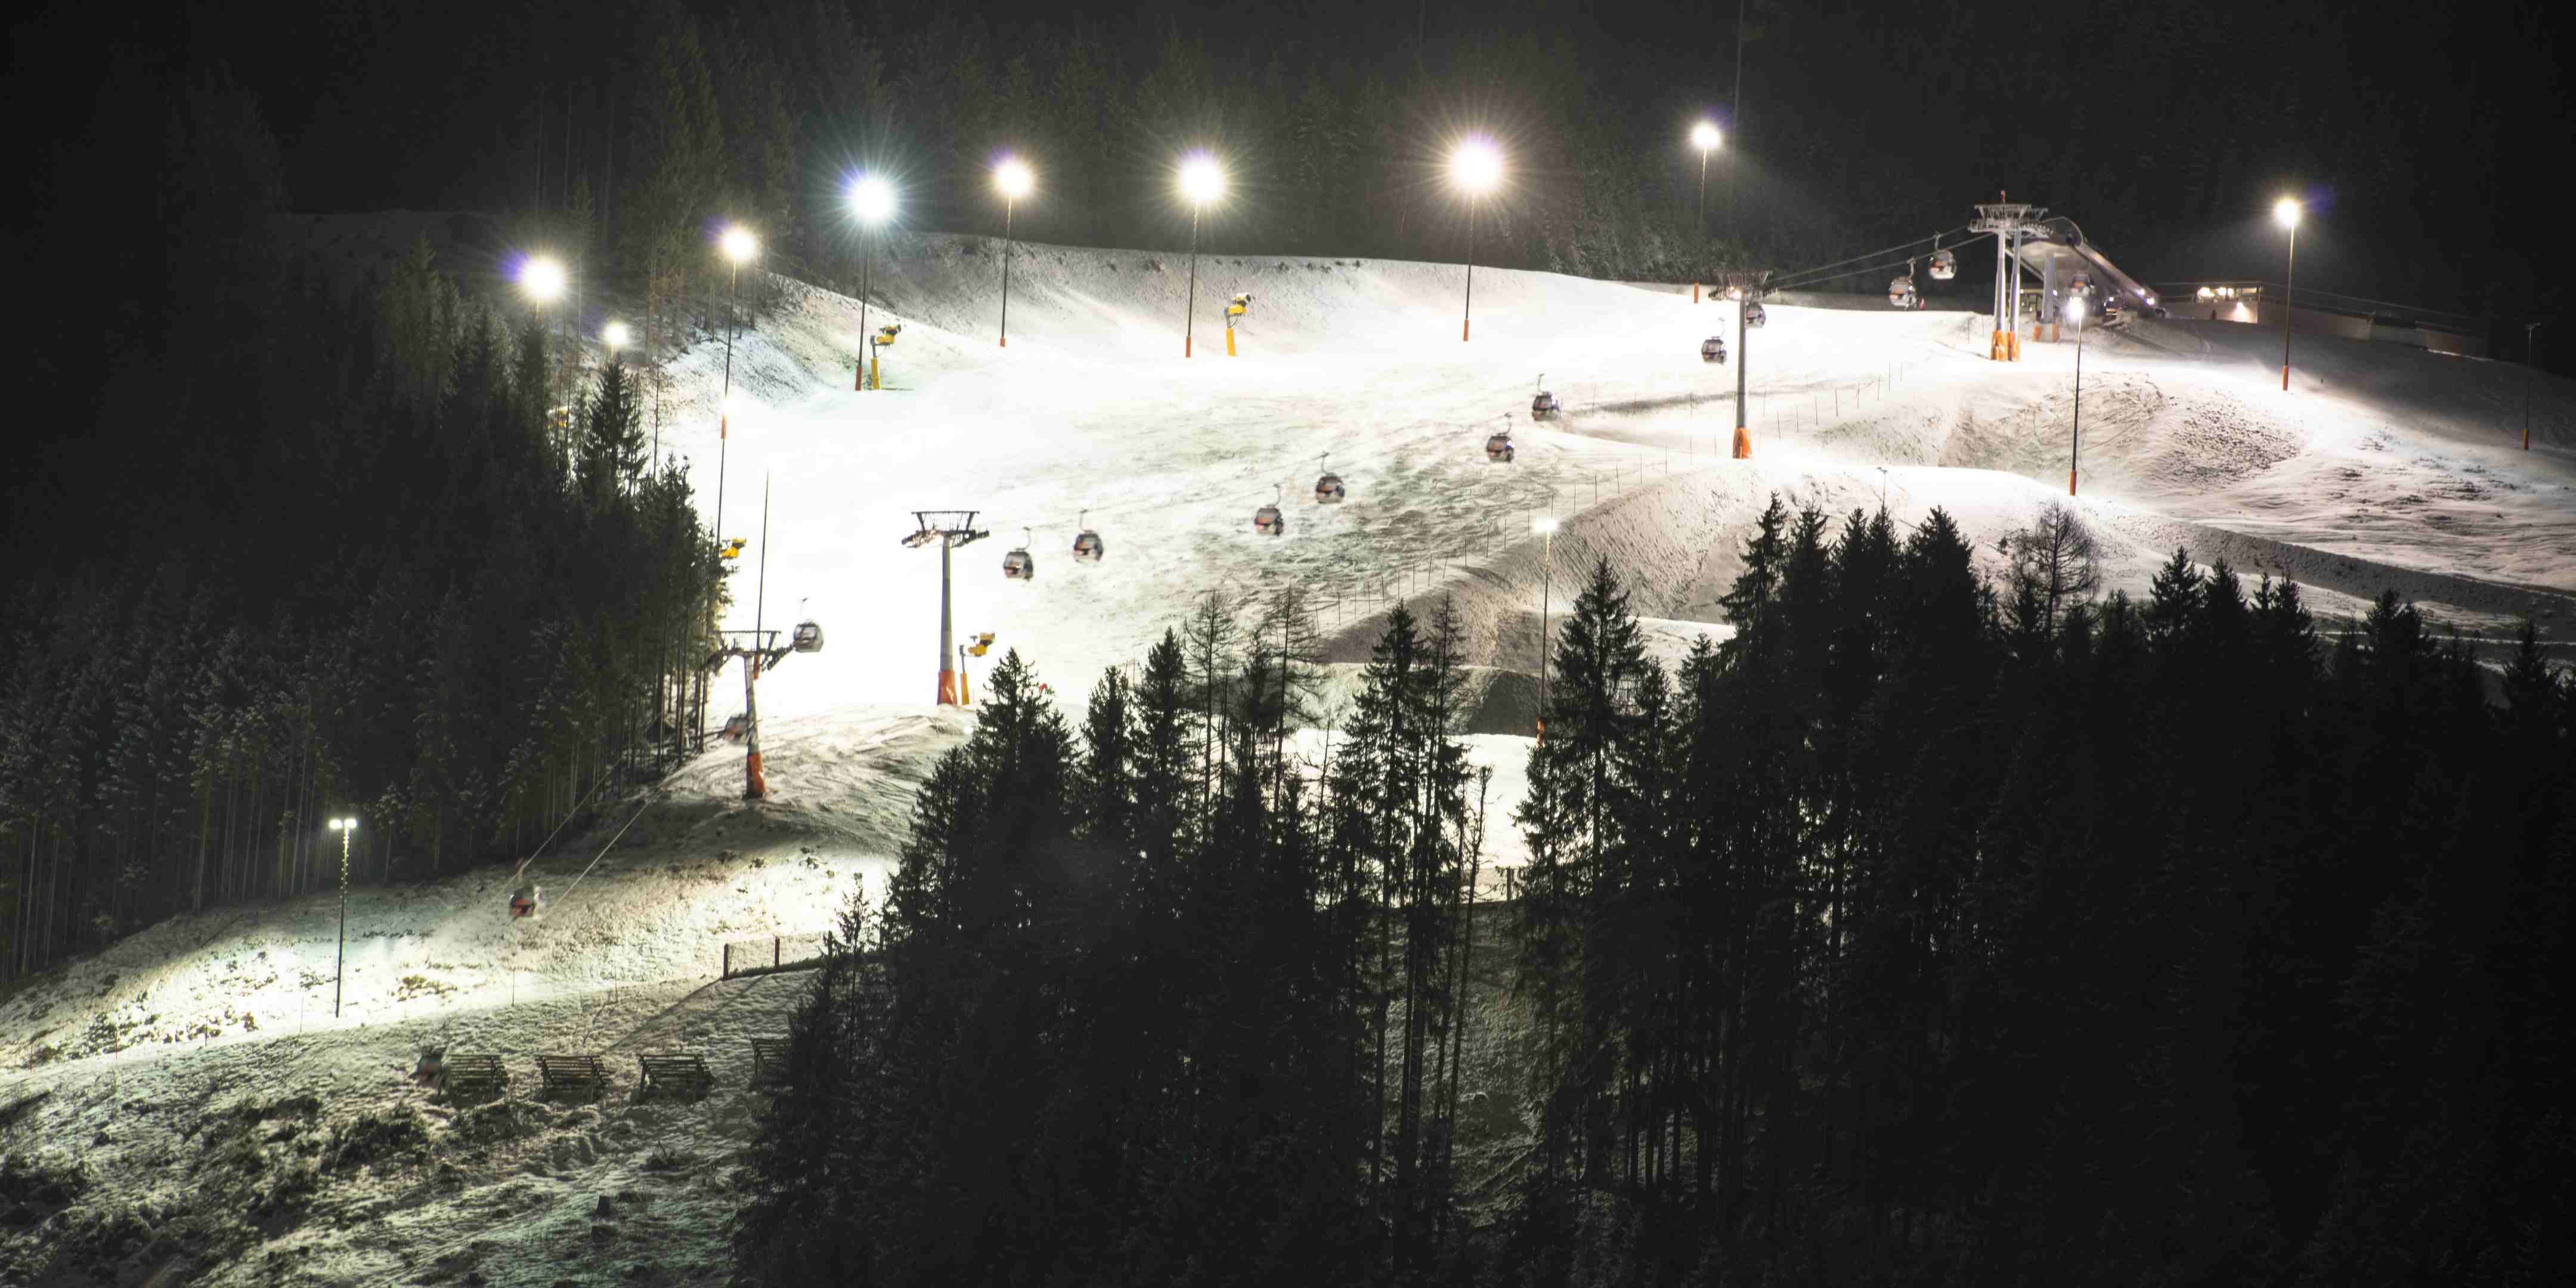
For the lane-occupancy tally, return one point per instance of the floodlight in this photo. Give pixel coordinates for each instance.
(1476, 167)
(872, 199)
(1013, 178)
(542, 277)
(2075, 308)
(616, 336)
(739, 244)
(2286, 212)
(1543, 526)
(1202, 180)
(1704, 136)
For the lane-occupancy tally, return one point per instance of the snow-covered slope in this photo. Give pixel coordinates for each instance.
(2382, 467)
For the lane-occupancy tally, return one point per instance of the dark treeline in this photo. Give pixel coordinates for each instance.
(368, 551)
(1929, 929)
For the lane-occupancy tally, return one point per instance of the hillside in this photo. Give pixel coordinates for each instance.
(2385, 467)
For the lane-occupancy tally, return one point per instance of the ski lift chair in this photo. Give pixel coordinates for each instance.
(1268, 522)
(1945, 265)
(1753, 315)
(1020, 565)
(1498, 449)
(736, 727)
(1712, 349)
(1086, 544)
(1328, 489)
(524, 900)
(808, 637)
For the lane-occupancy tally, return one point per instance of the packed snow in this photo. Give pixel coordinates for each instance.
(2383, 467)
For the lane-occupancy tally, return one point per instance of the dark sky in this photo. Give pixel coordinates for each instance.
(404, 103)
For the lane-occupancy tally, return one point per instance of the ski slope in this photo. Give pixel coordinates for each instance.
(2383, 467)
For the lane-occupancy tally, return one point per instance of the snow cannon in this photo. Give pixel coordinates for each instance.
(876, 344)
(1235, 308)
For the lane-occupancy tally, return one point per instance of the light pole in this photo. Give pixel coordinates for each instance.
(1546, 528)
(738, 245)
(872, 201)
(1476, 167)
(1012, 177)
(346, 827)
(2286, 213)
(542, 280)
(2075, 438)
(612, 338)
(2530, 337)
(1705, 137)
(1202, 181)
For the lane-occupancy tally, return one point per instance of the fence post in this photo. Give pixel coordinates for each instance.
(775, 950)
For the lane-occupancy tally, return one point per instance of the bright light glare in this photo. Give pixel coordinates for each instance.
(543, 279)
(1202, 181)
(2286, 213)
(616, 336)
(1013, 178)
(344, 825)
(1542, 525)
(739, 244)
(1704, 136)
(2075, 308)
(872, 199)
(1476, 167)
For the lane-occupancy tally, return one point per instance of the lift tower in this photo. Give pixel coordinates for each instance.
(2009, 222)
(951, 529)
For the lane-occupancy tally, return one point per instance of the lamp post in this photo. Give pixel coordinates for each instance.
(872, 202)
(1705, 137)
(2530, 337)
(2075, 438)
(738, 245)
(1012, 177)
(1476, 167)
(1202, 181)
(2286, 213)
(542, 280)
(346, 827)
(1546, 528)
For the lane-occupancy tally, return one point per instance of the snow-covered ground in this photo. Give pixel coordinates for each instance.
(2383, 467)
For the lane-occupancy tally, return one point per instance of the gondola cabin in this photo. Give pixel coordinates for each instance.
(1945, 265)
(1020, 565)
(808, 637)
(1268, 521)
(1498, 449)
(1088, 548)
(1712, 349)
(1900, 292)
(1543, 406)
(1328, 489)
(1754, 317)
